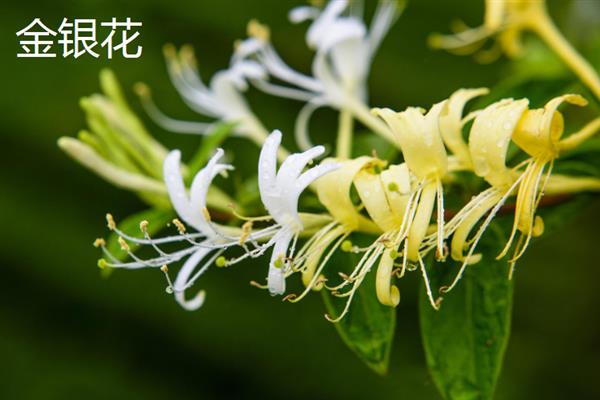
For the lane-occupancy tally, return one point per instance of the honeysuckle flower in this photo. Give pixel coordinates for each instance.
(221, 100)
(539, 134)
(279, 192)
(489, 139)
(507, 20)
(451, 122)
(424, 152)
(205, 246)
(344, 52)
(333, 191)
(386, 196)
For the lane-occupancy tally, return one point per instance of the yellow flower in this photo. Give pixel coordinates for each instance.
(425, 155)
(539, 133)
(506, 20)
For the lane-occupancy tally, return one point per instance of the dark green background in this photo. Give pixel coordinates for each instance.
(66, 333)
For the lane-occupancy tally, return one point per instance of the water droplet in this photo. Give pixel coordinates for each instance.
(481, 166)
(507, 126)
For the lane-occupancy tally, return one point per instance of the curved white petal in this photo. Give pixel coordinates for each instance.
(267, 162)
(176, 188)
(199, 190)
(276, 277)
(344, 29)
(325, 19)
(183, 277)
(303, 13)
(301, 126)
(313, 174)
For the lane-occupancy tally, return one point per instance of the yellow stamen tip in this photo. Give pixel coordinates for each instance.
(141, 89)
(179, 225)
(110, 222)
(258, 31)
(123, 244)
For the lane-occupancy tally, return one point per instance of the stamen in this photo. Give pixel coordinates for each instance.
(258, 285)
(258, 31)
(165, 270)
(434, 303)
(123, 244)
(110, 222)
(179, 225)
(289, 297)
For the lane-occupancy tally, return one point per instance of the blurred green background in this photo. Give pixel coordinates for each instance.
(66, 333)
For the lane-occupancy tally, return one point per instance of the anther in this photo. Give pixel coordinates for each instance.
(164, 269)
(144, 226)
(246, 231)
(206, 214)
(258, 285)
(441, 256)
(344, 276)
(99, 242)
(141, 89)
(110, 222)
(289, 297)
(179, 225)
(123, 244)
(258, 31)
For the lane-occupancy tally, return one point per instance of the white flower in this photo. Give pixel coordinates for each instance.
(344, 52)
(205, 246)
(221, 99)
(192, 208)
(279, 192)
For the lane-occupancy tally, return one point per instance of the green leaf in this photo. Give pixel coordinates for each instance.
(368, 328)
(157, 219)
(465, 340)
(209, 143)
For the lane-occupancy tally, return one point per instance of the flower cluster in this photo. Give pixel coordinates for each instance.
(395, 201)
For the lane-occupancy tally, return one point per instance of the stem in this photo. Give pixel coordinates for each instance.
(344, 138)
(362, 113)
(548, 32)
